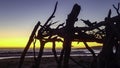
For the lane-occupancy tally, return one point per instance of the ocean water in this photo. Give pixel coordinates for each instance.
(7, 53)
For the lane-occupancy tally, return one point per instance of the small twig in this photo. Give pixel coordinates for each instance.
(52, 23)
(60, 25)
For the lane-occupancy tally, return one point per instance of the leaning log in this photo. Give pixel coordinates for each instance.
(28, 45)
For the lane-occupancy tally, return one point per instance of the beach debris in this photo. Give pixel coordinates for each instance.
(109, 36)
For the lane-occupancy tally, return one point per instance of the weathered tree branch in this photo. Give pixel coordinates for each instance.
(117, 8)
(46, 23)
(28, 44)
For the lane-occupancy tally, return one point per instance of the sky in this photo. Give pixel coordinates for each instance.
(18, 17)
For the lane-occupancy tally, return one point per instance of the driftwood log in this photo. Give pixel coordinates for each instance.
(108, 36)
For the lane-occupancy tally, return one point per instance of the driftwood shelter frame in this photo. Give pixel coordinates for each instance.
(109, 36)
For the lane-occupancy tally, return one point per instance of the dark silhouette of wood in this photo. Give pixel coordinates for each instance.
(38, 59)
(40, 36)
(46, 23)
(69, 30)
(28, 44)
(107, 58)
(117, 8)
(109, 36)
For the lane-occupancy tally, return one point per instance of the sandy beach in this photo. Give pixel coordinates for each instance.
(47, 62)
(9, 58)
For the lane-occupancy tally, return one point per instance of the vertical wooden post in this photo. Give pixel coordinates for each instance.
(69, 33)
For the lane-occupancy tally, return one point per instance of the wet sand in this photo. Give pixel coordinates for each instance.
(47, 62)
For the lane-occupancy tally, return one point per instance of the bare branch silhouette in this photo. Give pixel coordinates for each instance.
(117, 8)
(109, 36)
(28, 44)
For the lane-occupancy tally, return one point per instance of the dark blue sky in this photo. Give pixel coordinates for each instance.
(18, 17)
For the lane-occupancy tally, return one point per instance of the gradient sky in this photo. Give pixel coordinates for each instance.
(18, 17)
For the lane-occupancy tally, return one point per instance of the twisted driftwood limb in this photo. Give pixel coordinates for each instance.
(40, 37)
(117, 8)
(38, 59)
(106, 52)
(87, 22)
(54, 52)
(61, 58)
(28, 45)
(46, 23)
(93, 54)
(107, 59)
(102, 23)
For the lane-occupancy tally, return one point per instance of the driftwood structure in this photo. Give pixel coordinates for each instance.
(109, 36)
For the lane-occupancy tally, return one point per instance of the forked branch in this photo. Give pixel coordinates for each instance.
(46, 23)
(52, 16)
(117, 8)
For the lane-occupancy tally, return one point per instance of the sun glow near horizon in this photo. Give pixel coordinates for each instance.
(18, 17)
(21, 43)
